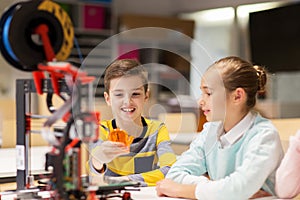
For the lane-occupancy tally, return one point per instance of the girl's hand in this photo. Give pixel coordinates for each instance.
(260, 194)
(168, 187)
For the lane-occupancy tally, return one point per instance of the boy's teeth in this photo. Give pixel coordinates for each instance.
(127, 109)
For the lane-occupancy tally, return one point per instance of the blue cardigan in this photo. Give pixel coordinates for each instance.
(236, 172)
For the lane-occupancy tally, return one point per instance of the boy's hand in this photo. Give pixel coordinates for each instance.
(109, 150)
(116, 180)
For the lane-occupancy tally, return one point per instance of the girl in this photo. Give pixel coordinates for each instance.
(238, 151)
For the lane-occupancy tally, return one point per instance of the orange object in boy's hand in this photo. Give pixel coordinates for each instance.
(119, 135)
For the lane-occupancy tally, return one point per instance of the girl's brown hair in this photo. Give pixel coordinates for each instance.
(125, 67)
(238, 73)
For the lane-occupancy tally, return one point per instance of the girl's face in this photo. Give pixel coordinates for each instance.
(213, 101)
(127, 97)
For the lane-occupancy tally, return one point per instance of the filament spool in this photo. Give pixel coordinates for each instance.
(21, 46)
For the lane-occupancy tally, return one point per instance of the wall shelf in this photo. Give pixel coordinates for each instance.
(94, 22)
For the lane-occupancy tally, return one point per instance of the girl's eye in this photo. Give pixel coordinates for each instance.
(207, 93)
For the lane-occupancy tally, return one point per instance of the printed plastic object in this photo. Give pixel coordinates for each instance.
(119, 135)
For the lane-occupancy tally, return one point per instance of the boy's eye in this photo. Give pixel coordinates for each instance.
(136, 94)
(118, 94)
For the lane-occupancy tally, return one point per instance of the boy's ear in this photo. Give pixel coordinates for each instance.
(106, 97)
(147, 96)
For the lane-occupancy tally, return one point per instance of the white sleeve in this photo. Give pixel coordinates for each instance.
(189, 167)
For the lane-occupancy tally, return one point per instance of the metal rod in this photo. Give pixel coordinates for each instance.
(34, 116)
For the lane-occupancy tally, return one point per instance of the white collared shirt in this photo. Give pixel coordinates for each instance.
(233, 135)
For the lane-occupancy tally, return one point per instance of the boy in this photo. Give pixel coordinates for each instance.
(126, 92)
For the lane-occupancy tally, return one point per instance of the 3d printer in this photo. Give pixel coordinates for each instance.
(37, 36)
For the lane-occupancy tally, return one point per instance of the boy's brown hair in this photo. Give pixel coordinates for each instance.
(125, 67)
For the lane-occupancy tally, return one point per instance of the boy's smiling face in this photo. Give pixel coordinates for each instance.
(127, 97)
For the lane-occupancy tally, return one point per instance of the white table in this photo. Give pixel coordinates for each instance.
(147, 193)
(8, 156)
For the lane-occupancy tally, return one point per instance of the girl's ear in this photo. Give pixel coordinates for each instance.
(107, 98)
(239, 95)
